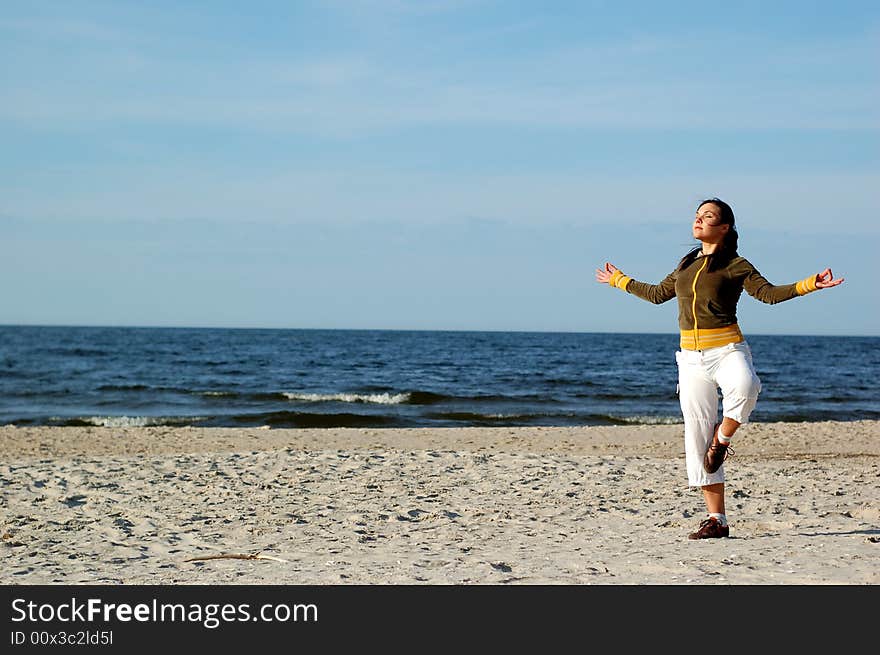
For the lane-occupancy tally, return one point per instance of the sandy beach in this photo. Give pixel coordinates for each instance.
(581, 505)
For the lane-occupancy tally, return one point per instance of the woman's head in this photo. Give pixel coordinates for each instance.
(715, 223)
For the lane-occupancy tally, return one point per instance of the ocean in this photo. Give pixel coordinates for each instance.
(120, 376)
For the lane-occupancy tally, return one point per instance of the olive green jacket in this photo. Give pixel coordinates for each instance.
(707, 299)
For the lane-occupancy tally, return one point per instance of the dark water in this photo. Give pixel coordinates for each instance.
(328, 378)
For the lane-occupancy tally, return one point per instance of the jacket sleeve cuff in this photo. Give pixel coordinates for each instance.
(619, 280)
(805, 286)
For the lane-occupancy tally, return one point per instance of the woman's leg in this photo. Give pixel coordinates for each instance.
(729, 426)
(735, 375)
(698, 396)
(740, 387)
(713, 494)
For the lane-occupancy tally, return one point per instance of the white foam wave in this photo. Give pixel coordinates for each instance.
(121, 421)
(650, 420)
(139, 421)
(379, 398)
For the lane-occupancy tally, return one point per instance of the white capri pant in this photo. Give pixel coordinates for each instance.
(700, 374)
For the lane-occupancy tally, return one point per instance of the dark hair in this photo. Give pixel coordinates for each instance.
(727, 251)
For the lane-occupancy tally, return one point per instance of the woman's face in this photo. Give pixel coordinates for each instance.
(707, 224)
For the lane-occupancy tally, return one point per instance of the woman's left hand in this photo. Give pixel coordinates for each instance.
(825, 279)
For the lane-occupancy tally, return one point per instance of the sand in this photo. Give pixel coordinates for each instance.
(561, 506)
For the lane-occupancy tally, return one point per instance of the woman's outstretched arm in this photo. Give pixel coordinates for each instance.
(757, 286)
(655, 293)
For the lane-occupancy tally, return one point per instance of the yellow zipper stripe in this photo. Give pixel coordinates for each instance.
(694, 303)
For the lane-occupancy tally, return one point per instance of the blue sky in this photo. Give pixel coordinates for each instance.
(430, 165)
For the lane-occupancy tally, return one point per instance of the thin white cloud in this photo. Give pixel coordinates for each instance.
(316, 102)
(405, 7)
(809, 202)
(64, 29)
(613, 84)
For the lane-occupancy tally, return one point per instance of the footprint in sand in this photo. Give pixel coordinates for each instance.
(74, 501)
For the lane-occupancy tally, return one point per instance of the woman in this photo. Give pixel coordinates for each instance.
(708, 282)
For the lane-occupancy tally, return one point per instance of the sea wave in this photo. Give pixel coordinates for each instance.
(313, 420)
(477, 418)
(405, 398)
(124, 387)
(126, 421)
(646, 420)
(377, 398)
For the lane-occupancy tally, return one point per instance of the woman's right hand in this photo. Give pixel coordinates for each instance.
(603, 276)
